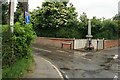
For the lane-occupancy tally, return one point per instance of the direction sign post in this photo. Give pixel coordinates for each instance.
(27, 17)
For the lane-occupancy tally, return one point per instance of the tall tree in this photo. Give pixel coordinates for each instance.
(116, 17)
(110, 29)
(65, 2)
(52, 18)
(83, 25)
(96, 27)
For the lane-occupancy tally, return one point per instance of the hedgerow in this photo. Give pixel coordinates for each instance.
(17, 45)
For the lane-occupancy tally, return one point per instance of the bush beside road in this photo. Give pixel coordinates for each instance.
(16, 50)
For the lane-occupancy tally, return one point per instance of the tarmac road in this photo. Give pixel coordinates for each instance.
(76, 64)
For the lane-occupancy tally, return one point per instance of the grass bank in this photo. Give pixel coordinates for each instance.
(18, 69)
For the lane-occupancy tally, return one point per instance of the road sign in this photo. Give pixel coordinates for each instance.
(27, 17)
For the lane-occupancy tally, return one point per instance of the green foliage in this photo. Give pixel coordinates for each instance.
(16, 50)
(19, 12)
(17, 45)
(67, 33)
(110, 29)
(18, 69)
(101, 28)
(65, 2)
(96, 27)
(23, 37)
(52, 18)
(83, 25)
(116, 17)
(4, 13)
(55, 19)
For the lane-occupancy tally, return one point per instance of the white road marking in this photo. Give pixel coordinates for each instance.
(66, 76)
(42, 49)
(115, 77)
(54, 68)
(115, 57)
(86, 59)
(63, 72)
(80, 53)
(61, 51)
(83, 54)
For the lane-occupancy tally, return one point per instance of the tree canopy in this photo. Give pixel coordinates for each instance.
(58, 18)
(52, 18)
(19, 12)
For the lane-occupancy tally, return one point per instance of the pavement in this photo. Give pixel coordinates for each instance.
(43, 69)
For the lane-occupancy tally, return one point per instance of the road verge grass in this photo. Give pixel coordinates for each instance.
(19, 68)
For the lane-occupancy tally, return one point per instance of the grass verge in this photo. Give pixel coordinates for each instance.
(18, 69)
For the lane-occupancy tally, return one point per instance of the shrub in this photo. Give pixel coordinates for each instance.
(17, 45)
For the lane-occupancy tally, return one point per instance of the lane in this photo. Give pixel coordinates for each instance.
(74, 64)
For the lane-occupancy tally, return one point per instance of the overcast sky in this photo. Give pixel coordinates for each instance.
(98, 8)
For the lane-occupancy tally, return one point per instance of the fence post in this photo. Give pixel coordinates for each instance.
(73, 43)
(97, 44)
(103, 43)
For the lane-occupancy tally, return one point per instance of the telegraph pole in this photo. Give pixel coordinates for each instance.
(11, 15)
(11, 24)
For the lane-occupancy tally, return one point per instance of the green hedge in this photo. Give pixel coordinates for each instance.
(16, 46)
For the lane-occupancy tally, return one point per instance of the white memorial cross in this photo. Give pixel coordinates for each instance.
(89, 27)
(89, 30)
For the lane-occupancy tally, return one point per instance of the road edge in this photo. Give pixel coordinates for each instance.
(60, 74)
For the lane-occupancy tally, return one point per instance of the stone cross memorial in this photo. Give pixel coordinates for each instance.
(89, 45)
(89, 27)
(89, 30)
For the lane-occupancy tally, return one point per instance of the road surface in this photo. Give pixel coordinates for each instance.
(76, 64)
